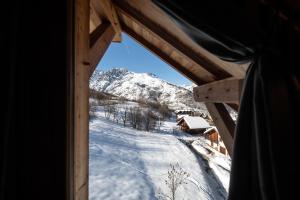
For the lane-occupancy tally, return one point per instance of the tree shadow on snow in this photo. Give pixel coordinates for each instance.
(115, 160)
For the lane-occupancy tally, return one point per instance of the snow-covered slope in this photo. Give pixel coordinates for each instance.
(121, 82)
(127, 164)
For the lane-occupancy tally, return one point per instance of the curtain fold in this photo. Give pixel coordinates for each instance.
(265, 150)
(226, 29)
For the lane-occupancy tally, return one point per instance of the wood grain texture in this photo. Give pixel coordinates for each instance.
(81, 114)
(112, 16)
(100, 40)
(227, 90)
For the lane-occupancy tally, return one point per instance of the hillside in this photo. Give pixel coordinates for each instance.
(129, 164)
(134, 86)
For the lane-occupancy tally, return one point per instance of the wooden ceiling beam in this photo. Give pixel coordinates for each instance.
(162, 55)
(100, 40)
(112, 16)
(226, 90)
(161, 33)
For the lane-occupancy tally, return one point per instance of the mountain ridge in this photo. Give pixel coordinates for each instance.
(134, 86)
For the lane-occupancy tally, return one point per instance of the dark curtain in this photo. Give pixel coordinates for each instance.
(34, 82)
(266, 33)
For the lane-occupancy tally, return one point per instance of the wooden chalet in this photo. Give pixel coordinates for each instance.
(184, 112)
(216, 141)
(193, 124)
(181, 113)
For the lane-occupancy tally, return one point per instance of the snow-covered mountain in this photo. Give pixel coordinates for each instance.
(189, 87)
(134, 86)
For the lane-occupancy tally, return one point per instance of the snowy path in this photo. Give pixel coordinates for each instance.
(130, 164)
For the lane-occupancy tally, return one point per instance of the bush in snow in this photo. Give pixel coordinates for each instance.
(150, 120)
(135, 117)
(165, 112)
(109, 110)
(124, 115)
(115, 112)
(142, 102)
(106, 109)
(176, 177)
(92, 111)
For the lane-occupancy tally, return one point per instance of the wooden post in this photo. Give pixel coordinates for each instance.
(89, 49)
(223, 122)
(81, 102)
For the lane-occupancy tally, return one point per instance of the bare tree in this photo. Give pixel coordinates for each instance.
(176, 177)
(149, 120)
(139, 119)
(124, 115)
(115, 112)
(107, 112)
(165, 111)
(92, 111)
(122, 100)
(142, 102)
(135, 117)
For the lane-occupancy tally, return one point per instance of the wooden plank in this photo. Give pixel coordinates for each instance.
(111, 14)
(162, 55)
(95, 19)
(160, 32)
(81, 113)
(227, 90)
(100, 40)
(223, 122)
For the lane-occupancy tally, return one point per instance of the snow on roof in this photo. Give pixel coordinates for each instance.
(196, 122)
(180, 116)
(180, 111)
(209, 129)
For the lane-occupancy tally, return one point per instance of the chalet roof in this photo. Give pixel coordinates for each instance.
(210, 129)
(195, 122)
(181, 116)
(186, 110)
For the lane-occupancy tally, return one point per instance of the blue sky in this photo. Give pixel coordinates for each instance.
(131, 55)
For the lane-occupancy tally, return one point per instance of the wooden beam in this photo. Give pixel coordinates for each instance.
(100, 40)
(161, 33)
(95, 19)
(81, 99)
(162, 55)
(111, 14)
(227, 91)
(223, 122)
